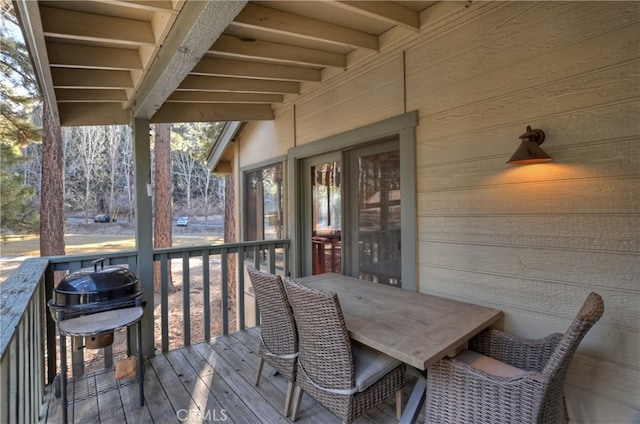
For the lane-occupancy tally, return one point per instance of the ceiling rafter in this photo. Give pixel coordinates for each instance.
(269, 19)
(88, 26)
(385, 11)
(109, 61)
(223, 97)
(241, 68)
(90, 78)
(213, 113)
(233, 46)
(152, 5)
(83, 56)
(247, 85)
(90, 95)
(98, 113)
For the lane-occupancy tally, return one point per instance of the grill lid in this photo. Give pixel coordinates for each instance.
(87, 292)
(90, 282)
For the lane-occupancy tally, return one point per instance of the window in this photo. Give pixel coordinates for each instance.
(264, 203)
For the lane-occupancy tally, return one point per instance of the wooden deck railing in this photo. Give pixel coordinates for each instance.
(22, 312)
(28, 347)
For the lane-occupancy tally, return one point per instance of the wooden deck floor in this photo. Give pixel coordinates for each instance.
(207, 382)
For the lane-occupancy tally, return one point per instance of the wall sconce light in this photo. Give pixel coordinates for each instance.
(529, 150)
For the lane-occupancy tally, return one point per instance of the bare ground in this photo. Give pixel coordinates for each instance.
(89, 238)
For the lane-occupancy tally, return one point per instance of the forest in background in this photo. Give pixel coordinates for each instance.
(99, 171)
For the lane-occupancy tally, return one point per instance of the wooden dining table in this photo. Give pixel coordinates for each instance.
(415, 328)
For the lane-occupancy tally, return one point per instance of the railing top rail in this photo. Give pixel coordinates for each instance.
(228, 247)
(16, 293)
(88, 257)
(60, 263)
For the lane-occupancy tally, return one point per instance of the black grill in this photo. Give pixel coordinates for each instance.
(95, 290)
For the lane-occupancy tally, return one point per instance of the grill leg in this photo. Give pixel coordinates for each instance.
(63, 377)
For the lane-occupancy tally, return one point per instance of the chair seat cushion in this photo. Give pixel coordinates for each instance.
(370, 365)
(488, 364)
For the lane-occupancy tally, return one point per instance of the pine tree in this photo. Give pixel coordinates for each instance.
(18, 99)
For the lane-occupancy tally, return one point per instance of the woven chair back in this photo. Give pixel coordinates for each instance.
(325, 345)
(589, 314)
(276, 318)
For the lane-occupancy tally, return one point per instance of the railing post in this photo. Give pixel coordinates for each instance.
(206, 294)
(186, 301)
(50, 325)
(240, 290)
(224, 295)
(144, 228)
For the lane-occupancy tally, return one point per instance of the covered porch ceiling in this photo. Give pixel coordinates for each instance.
(104, 62)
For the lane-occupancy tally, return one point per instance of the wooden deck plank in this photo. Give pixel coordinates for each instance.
(204, 379)
(219, 387)
(202, 399)
(110, 407)
(254, 399)
(385, 413)
(246, 348)
(130, 396)
(178, 396)
(156, 399)
(84, 401)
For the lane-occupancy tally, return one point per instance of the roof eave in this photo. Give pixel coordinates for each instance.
(28, 13)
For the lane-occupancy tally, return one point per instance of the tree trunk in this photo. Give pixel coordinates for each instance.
(52, 190)
(230, 237)
(162, 236)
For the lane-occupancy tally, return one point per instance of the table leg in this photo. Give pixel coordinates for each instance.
(63, 377)
(416, 400)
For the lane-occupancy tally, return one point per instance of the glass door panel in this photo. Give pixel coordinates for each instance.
(326, 217)
(378, 216)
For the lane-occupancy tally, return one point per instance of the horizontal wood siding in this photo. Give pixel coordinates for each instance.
(261, 140)
(535, 240)
(530, 240)
(366, 96)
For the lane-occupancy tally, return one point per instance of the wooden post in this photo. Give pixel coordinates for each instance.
(144, 227)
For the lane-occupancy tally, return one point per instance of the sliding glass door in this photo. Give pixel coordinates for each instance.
(353, 208)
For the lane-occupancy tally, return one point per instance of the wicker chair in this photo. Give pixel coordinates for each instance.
(508, 379)
(279, 340)
(344, 376)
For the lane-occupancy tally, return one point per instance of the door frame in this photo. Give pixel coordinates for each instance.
(401, 126)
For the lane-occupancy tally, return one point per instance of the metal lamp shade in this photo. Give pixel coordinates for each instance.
(529, 150)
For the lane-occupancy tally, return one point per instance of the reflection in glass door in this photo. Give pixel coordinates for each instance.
(326, 217)
(378, 214)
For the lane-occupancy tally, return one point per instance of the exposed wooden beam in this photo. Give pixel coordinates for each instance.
(223, 97)
(90, 95)
(75, 55)
(80, 25)
(76, 114)
(196, 28)
(269, 19)
(241, 68)
(90, 78)
(385, 11)
(164, 6)
(238, 47)
(198, 112)
(198, 82)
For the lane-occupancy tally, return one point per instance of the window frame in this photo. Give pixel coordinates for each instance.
(243, 192)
